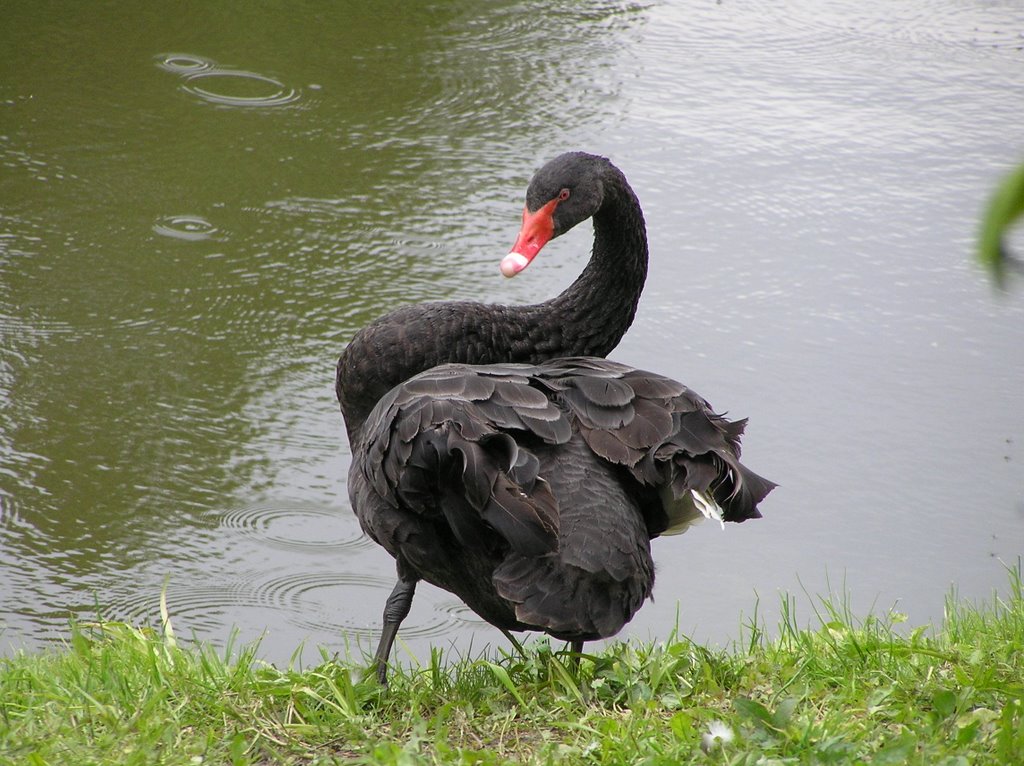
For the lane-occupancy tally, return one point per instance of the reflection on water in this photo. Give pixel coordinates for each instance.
(176, 282)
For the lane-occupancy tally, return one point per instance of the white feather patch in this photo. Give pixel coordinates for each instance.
(692, 508)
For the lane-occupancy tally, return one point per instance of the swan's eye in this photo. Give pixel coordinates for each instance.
(563, 195)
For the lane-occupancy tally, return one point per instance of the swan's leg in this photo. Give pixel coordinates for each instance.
(574, 658)
(515, 642)
(395, 610)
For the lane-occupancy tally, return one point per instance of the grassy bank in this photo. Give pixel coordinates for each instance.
(842, 691)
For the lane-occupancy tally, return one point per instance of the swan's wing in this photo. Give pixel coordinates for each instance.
(456, 441)
(441, 444)
(665, 435)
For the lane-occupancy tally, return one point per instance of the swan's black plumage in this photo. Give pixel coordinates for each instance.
(497, 455)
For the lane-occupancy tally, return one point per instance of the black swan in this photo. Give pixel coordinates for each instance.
(499, 456)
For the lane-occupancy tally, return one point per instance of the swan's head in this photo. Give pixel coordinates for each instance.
(567, 190)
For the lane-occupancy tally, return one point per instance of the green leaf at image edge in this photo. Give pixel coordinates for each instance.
(1005, 206)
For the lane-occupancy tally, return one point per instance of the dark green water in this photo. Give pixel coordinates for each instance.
(200, 203)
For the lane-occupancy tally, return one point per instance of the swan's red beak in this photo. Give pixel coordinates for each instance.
(537, 230)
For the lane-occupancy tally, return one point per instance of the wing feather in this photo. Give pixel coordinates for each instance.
(458, 442)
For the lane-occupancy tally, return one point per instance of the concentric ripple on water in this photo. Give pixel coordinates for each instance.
(232, 87)
(300, 528)
(188, 227)
(183, 63)
(224, 86)
(192, 607)
(462, 613)
(344, 603)
(326, 605)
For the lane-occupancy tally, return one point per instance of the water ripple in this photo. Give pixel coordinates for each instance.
(192, 607)
(207, 80)
(192, 228)
(462, 613)
(344, 603)
(844, 30)
(324, 603)
(183, 63)
(232, 87)
(300, 528)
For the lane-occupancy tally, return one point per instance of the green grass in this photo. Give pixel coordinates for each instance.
(842, 691)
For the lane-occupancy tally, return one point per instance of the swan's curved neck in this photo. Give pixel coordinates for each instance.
(588, 319)
(595, 311)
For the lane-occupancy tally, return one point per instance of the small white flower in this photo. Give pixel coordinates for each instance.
(718, 734)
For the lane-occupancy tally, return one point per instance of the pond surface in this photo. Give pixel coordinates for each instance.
(200, 203)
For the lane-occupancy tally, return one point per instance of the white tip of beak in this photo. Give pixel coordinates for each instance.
(513, 263)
